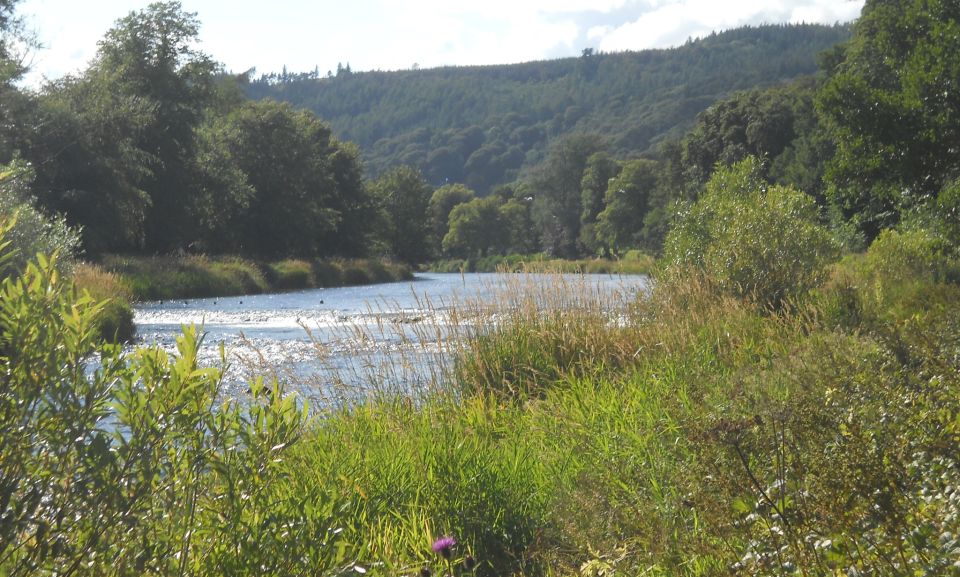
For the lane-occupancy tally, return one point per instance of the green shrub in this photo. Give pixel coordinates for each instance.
(134, 467)
(948, 213)
(450, 266)
(168, 277)
(355, 274)
(913, 255)
(115, 320)
(327, 274)
(291, 274)
(29, 232)
(750, 239)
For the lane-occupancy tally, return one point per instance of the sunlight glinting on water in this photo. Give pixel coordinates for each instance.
(336, 345)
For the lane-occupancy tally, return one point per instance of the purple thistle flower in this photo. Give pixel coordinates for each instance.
(443, 545)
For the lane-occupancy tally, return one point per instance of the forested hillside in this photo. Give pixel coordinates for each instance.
(483, 125)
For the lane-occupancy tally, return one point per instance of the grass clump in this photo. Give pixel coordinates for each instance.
(352, 272)
(157, 278)
(290, 274)
(115, 320)
(442, 467)
(632, 263)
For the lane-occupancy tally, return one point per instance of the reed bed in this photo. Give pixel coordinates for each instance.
(690, 433)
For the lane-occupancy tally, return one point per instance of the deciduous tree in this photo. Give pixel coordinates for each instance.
(893, 108)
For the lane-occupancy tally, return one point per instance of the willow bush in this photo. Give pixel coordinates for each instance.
(750, 239)
(135, 465)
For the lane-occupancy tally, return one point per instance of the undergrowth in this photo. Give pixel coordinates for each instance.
(702, 431)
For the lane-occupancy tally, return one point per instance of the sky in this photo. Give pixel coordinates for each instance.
(393, 35)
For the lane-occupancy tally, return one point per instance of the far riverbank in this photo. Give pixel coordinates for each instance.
(130, 279)
(633, 262)
(183, 277)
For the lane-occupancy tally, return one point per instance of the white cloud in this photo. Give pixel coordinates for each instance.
(670, 22)
(595, 32)
(379, 34)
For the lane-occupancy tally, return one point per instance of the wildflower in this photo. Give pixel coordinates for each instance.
(443, 545)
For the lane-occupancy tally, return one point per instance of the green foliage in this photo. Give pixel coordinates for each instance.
(600, 170)
(187, 277)
(115, 320)
(11, 33)
(898, 71)
(532, 353)
(626, 203)
(149, 150)
(89, 163)
(634, 262)
(150, 57)
(30, 232)
(159, 278)
(307, 197)
(290, 274)
(709, 436)
(556, 190)
(476, 229)
(443, 200)
(750, 239)
(135, 466)
(483, 126)
(403, 198)
(913, 255)
(948, 213)
(444, 468)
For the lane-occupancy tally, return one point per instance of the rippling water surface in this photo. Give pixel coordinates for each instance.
(336, 344)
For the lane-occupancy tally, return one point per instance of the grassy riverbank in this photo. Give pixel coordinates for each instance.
(155, 278)
(700, 434)
(632, 263)
(770, 408)
(121, 280)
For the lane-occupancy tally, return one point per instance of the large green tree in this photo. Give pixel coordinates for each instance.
(150, 56)
(12, 68)
(620, 225)
(305, 184)
(443, 200)
(476, 229)
(11, 34)
(556, 190)
(893, 107)
(600, 170)
(84, 145)
(404, 197)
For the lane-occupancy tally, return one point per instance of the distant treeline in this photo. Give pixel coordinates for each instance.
(487, 125)
(155, 149)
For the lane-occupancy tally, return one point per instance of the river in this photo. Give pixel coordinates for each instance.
(339, 344)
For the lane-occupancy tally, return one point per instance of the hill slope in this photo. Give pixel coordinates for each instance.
(483, 125)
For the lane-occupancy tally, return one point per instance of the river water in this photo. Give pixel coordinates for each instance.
(339, 344)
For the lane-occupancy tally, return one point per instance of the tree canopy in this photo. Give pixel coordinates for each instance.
(893, 107)
(487, 125)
